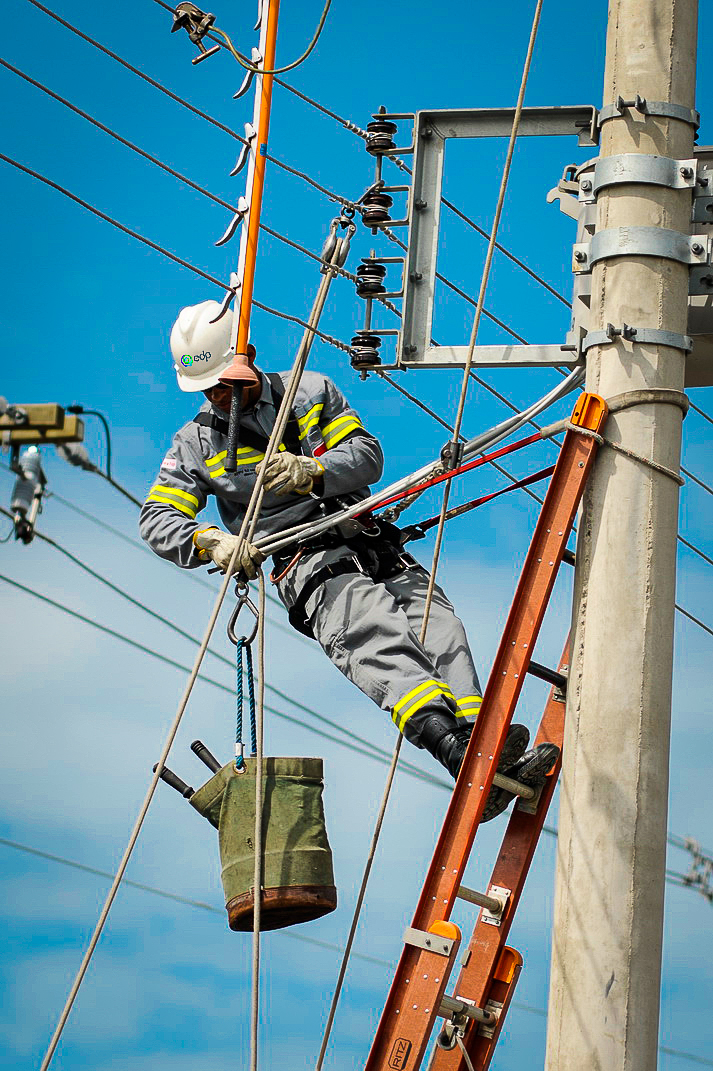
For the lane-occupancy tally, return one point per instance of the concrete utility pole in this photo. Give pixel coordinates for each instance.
(606, 960)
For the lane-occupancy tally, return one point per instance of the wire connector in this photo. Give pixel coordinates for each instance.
(452, 454)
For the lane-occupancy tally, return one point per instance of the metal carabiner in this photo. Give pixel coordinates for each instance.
(244, 599)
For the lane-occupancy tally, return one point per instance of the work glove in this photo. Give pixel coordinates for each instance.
(287, 472)
(219, 546)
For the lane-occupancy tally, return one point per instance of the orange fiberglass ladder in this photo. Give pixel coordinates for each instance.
(489, 968)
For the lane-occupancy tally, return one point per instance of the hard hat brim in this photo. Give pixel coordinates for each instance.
(193, 384)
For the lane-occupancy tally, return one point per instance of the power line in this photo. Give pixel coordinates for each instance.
(167, 253)
(279, 163)
(695, 620)
(701, 412)
(697, 480)
(327, 945)
(376, 753)
(354, 129)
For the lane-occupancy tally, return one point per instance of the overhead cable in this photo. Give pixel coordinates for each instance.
(191, 639)
(701, 412)
(135, 70)
(165, 252)
(349, 125)
(328, 946)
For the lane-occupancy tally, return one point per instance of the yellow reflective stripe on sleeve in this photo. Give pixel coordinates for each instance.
(309, 419)
(338, 429)
(176, 505)
(175, 492)
(245, 455)
(417, 698)
(469, 704)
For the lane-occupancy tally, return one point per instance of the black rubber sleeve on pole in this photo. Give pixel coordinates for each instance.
(207, 758)
(174, 781)
(230, 463)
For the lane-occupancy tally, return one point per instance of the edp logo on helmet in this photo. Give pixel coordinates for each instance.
(187, 359)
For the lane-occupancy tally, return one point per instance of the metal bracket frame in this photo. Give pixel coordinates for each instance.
(634, 168)
(431, 131)
(430, 942)
(658, 108)
(638, 335)
(641, 242)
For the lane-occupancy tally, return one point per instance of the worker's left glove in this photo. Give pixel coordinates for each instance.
(287, 472)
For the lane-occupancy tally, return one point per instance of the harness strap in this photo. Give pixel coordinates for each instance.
(254, 439)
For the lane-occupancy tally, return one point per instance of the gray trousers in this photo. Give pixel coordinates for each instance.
(370, 631)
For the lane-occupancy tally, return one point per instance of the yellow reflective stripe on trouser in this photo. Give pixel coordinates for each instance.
(469, 704)
(166, 501)
(310, 419)
(338, 429)
(417, 698)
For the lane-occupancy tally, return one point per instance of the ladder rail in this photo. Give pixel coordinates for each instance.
(480, 962)
(406, 1026)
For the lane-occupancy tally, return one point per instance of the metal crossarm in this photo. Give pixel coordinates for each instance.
(414, 1001)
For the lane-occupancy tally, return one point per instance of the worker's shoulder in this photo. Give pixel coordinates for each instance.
(190, 431)
(314, 387)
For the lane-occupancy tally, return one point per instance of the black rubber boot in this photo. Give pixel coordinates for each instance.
(530, 769)
(447, 741)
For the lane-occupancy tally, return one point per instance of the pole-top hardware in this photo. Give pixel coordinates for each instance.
(365, 350)
(379, 136)
(196, 23)
(659, 108)
(452, 454)
(637, 168)
(370, 276)
(652, 336)
(641, 242)
(376, 210)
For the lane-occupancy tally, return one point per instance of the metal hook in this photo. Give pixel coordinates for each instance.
(229, 295)
(235, 222)
(245, 151)
(256, 57)
(258, 24)
(243, 600)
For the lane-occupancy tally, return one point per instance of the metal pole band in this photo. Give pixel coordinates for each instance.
(630, 167)
(652, 336)
(642, 242)
(661, 108)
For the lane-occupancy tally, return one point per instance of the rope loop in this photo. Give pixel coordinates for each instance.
(247, 673)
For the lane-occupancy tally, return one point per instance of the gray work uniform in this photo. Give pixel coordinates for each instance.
(370, 630)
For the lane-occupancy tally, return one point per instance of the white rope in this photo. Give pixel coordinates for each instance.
(464, 1053)
(513, 422)
(258, 875)
(246, 530)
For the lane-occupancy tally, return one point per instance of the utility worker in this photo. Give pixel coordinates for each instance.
(355, 591)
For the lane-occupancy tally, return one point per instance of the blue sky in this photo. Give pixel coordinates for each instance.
(86, 313)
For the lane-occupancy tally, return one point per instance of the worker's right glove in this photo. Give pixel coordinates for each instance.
(219, 546)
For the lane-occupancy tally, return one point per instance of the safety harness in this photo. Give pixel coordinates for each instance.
(375, 545)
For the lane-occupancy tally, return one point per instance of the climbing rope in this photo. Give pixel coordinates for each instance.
(257, 726)
(244, 645)
(247, 529)
(456, 450)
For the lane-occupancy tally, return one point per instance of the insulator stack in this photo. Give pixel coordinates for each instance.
(370, 276)
(376, 209)
(365, 350)
(379, 136)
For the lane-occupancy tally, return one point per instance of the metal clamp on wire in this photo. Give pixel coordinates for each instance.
(452, 454)
(196, 23)
(345, 221)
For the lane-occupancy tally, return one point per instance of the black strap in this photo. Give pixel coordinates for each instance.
(291, 437)
(298, 613)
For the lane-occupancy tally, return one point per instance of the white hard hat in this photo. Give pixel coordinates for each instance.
(201, 349)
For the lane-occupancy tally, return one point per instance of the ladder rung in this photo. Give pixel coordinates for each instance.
(516, 787)
(490, 903)
(552, 676)
(451, 1006)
